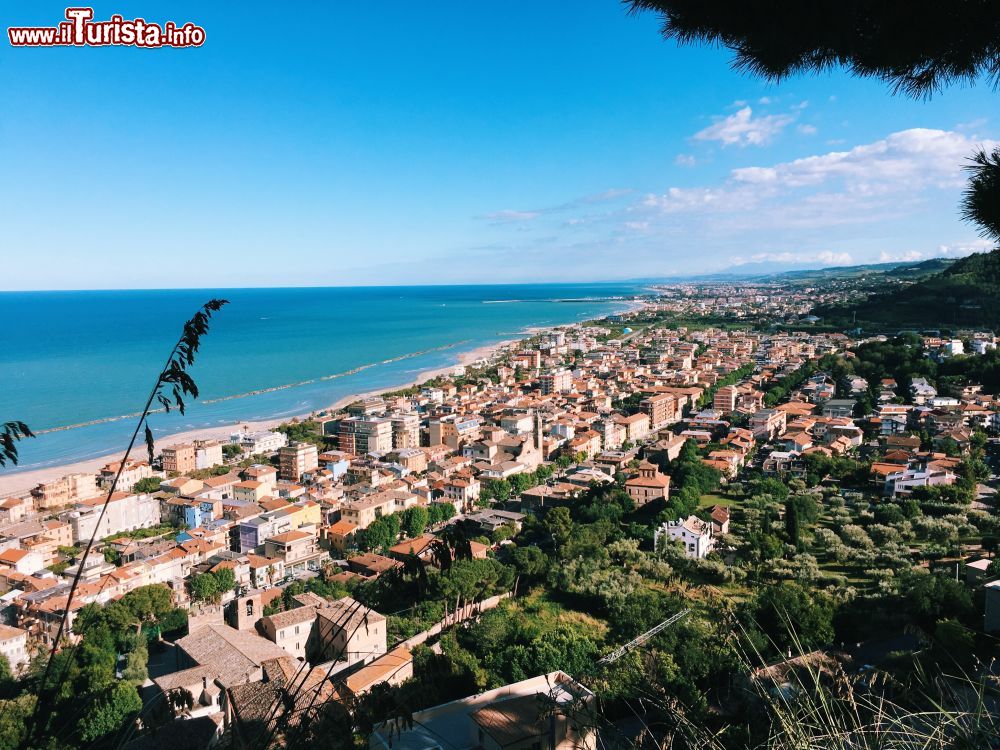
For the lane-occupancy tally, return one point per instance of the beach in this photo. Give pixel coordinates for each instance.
(25, 480)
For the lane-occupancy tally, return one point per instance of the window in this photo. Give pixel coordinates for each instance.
(249, 607)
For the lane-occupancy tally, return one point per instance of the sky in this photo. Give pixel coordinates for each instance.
(320, 144)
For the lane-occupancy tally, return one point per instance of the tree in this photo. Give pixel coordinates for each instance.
(204, 587)
(147, 485)
(415, 521)
(111, 712)
(792, 523)
(793, 617)
(918, 47)
(380, 534)
(225, 580)
(935, 597)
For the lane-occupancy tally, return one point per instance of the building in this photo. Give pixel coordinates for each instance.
(557, 381)
(256, 443)
(648, 485)
(661, 409)
(405, 430)
(298, 550)
(125, 512)
(725, 399)
(131, 473)
(767, 424)
(693, 533)
(179, 458)
(361, 435)
(296, 459)
(541, 713)
(349, 631)
(292, 629)
(14, 646)
(65, 491)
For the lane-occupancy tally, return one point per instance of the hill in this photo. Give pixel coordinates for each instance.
(963, 294)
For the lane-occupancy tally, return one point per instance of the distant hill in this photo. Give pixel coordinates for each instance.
(964, 294)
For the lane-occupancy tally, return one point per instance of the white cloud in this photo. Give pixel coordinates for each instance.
(743, 129)
(508, 215)
(905, 256)
(824, 258)
(906, 159)
(685, 160)
(806, 129)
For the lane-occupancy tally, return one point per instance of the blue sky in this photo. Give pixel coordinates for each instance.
(452, 142)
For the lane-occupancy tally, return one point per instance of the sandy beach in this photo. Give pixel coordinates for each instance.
(25, 480)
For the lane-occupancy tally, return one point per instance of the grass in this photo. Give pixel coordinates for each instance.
(715, 498)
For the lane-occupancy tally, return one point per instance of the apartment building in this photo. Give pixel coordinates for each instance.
(557, 381)
(131, 473)
(179, 458)
(726, 398)
(296, 459)
(125, 512)
(361, 435)
(65, 491)
(298, 549)
(405, 430)
(261, 442)
(661, 409)
(454, 430)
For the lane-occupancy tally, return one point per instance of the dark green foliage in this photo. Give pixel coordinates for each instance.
(963, 295)
(930, 598)
(9, 435)
(147, 485)
(982, 196)
(917, 47)
(794, 618)
(414, 521)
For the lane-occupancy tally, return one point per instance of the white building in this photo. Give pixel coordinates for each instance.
(692, 532)
(14, 646)
(126, 512)
(264, 441)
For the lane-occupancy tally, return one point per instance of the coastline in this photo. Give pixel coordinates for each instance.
(22, 481)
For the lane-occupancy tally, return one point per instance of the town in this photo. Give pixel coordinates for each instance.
(418, 569)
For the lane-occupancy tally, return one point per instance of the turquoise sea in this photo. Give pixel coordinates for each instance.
(69, 358)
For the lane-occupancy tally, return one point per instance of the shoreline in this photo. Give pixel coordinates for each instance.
(18, 482)
(22, 481)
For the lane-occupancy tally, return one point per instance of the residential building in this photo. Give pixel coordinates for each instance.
(125, 512)
(14, 646)
(179, 458)
(361, 435)
(694, 534)
(259, 443)
(296, 459)
(648, 485)
(65, 491)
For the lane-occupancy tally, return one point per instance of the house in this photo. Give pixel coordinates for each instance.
(540, 712)
(720, 519)
(648, 485)
(292, 630)
(14, 647)
(348, 631)
(22, 560)
(339, 536)
(298, 550)
(694, 534)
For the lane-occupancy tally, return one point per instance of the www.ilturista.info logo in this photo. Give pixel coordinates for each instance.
(80, 30)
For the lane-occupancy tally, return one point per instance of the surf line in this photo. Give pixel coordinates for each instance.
(354, 371)
(334, 376)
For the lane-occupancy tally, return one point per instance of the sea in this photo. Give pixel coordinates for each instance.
(75, 364)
